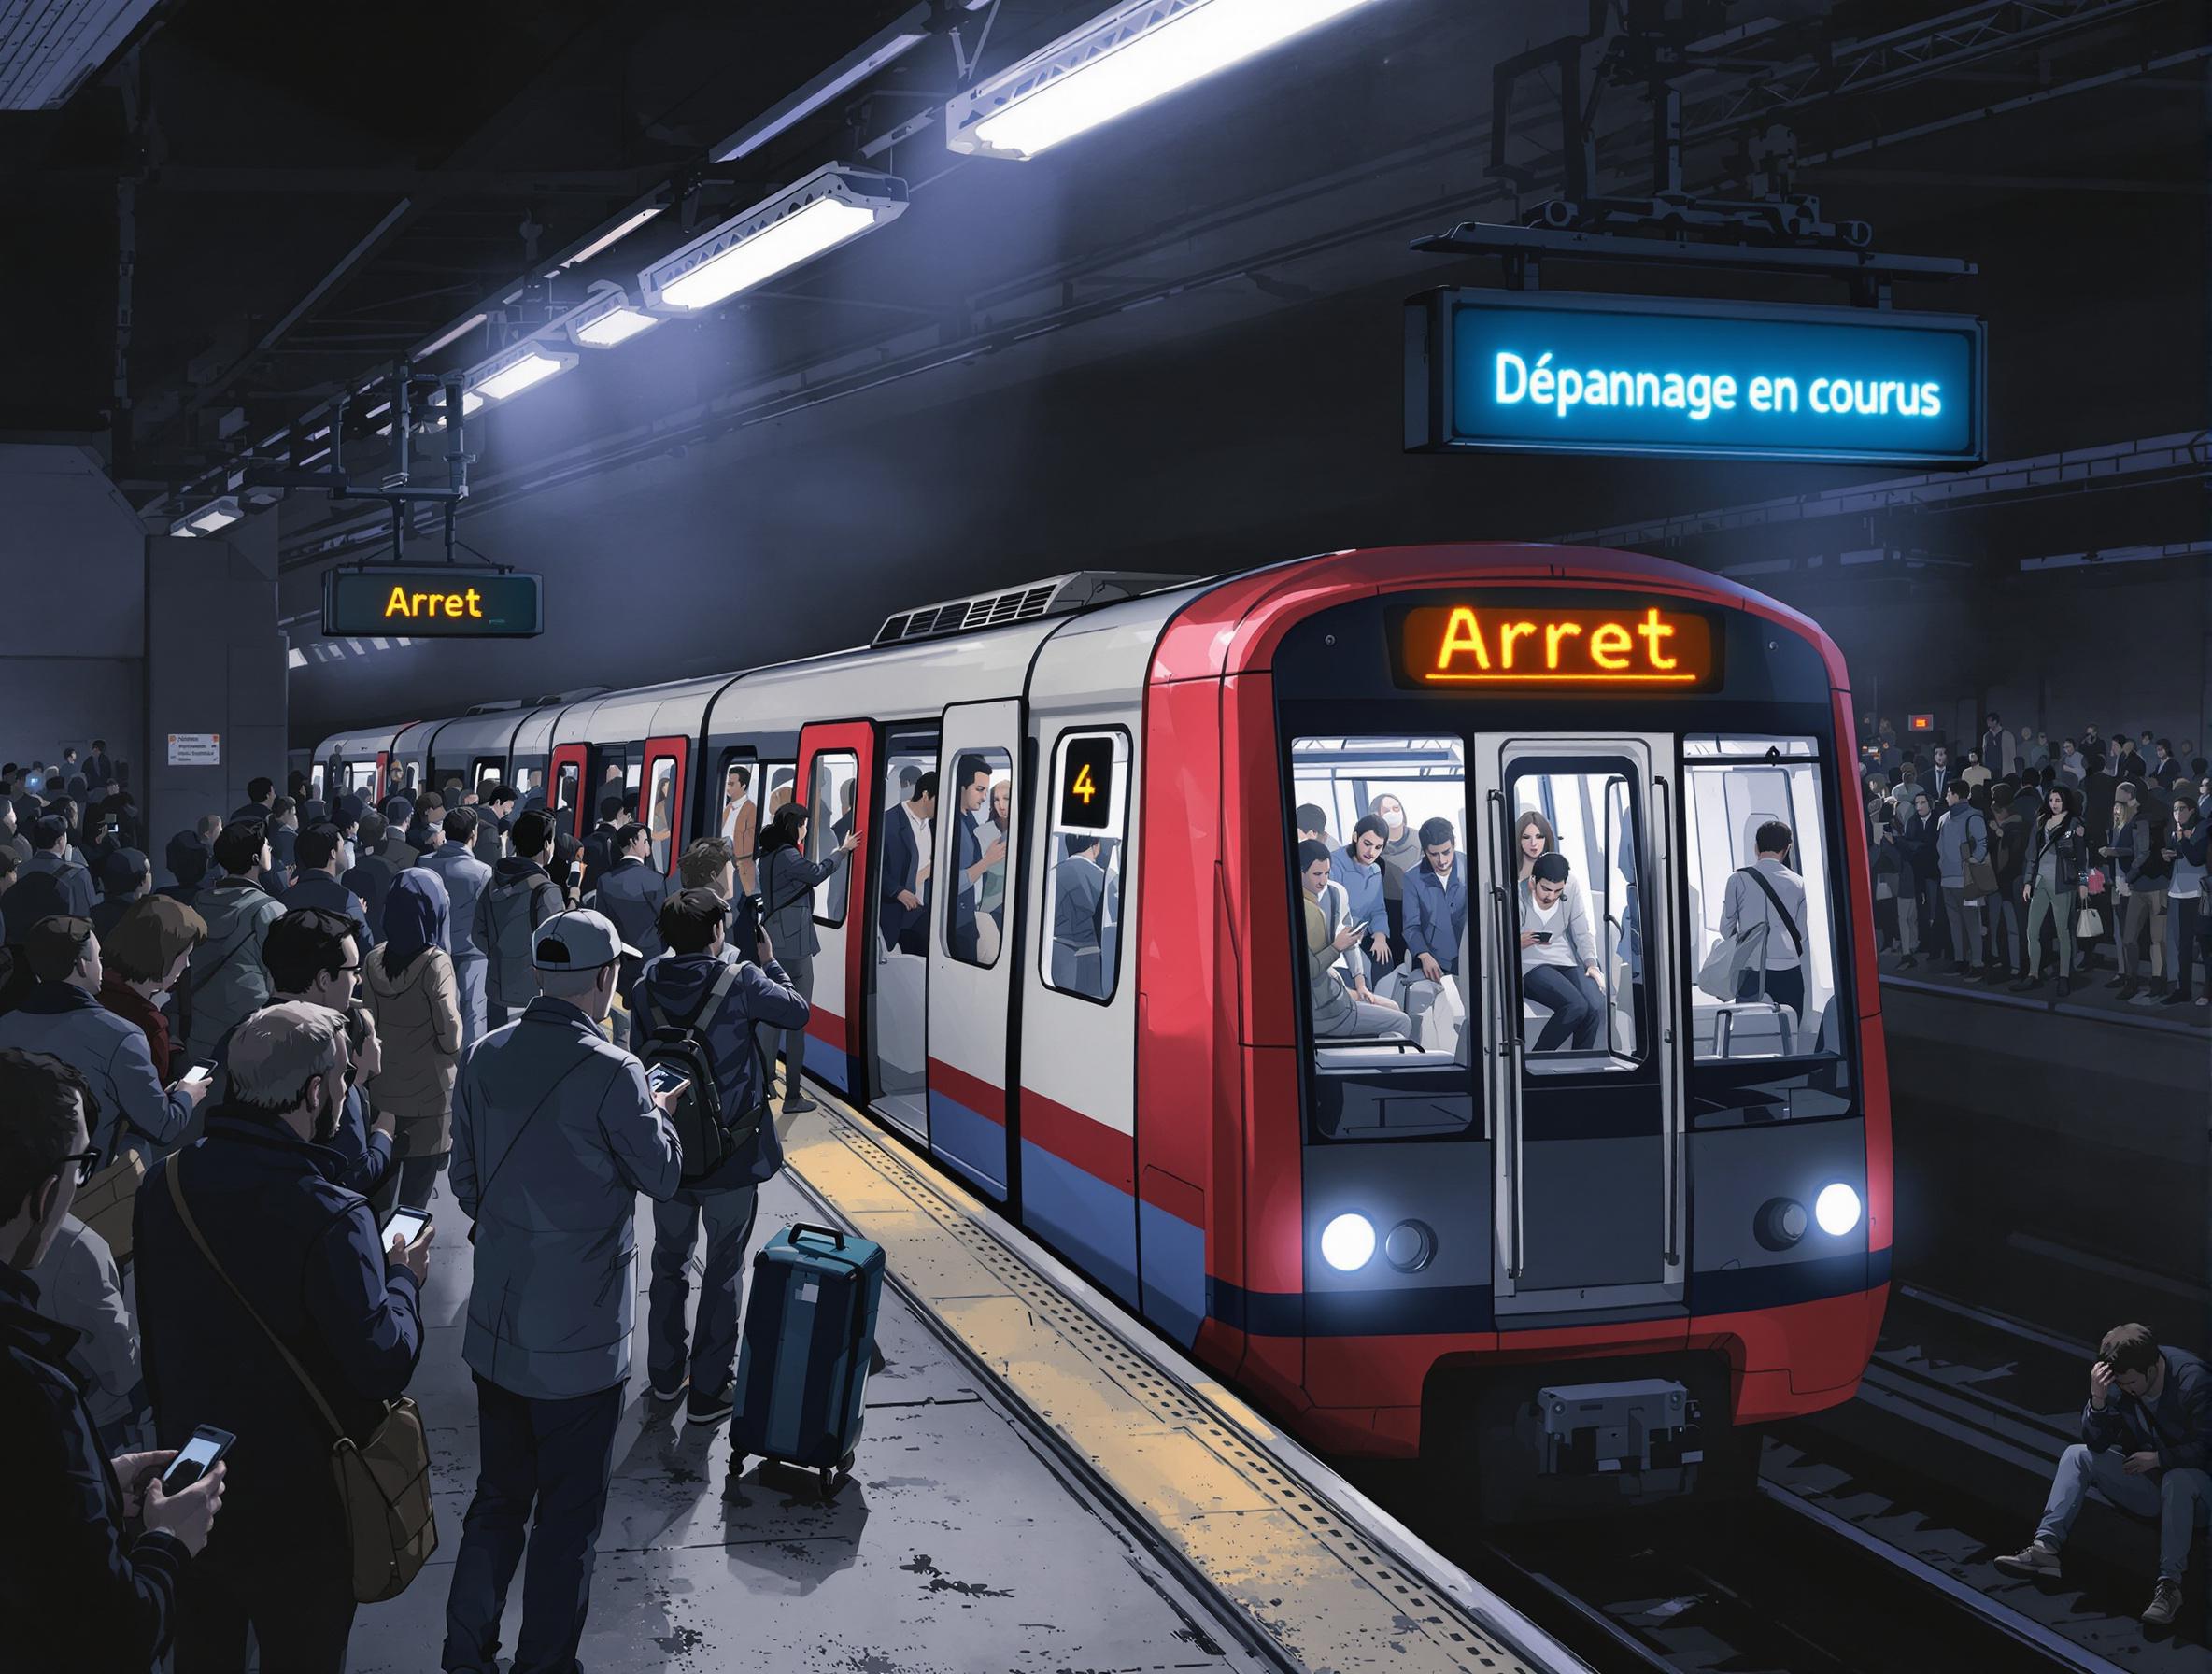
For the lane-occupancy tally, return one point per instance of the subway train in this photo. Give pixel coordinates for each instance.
(1313, 1118)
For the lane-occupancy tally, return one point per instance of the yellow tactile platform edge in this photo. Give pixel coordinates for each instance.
(1312, 1583)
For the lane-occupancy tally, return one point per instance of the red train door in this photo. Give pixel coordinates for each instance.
(383, 772)
(564, 773)
(661, 798)
(836, 766)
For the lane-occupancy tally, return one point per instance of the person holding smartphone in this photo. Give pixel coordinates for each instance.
(1559, 957)
(92, 1548)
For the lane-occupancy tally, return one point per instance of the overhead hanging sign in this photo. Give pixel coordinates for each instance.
(1526, 371)
(434, 602)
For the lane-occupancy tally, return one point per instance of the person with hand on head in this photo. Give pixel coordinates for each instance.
(64, 1017)
(416, 999)
(555, 1134)
(92, 1551)
(248, 1240)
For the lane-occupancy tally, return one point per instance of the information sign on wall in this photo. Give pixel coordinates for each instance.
(1526, 371)
(195, 749)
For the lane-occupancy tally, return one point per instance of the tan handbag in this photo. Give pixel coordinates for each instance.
(383, 1482)
(105, 1202)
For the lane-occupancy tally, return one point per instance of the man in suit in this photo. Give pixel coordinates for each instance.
(630, 893)
(49, 845)
(316, 884)
(974, 777)
(599, 848)
(98, 767)
(465, 879)
(370, 877)
(1083, 918)
(902, 911)
(495, 814)
(261, 796)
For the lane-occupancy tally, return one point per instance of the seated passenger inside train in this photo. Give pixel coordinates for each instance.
(1333, 946)
(1559, 966)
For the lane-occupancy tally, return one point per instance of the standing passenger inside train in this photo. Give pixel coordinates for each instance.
(741, 822)
(787, 883)
(1333, 937)
(975, 855)
(990, 901)
(1559, 956)
(904, 910)
(465, 879)
(1768, 892)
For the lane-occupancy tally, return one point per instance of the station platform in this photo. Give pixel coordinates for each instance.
(1039, 1486)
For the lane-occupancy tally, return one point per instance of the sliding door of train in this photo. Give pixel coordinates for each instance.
(972, 963)
(836, 765)
(1586, 1038)
(667, 784)
(565, 770)
(913, 875)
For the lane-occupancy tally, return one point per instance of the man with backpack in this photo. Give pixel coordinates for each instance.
(521, 896)
(696, 1014)
(1767, 891)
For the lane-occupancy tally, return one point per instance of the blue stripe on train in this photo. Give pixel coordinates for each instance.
(974, 1147)
(1087, 1218)
(1175, 1273)
(828, 1062)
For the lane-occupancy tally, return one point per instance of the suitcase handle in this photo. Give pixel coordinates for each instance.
(829, 1233)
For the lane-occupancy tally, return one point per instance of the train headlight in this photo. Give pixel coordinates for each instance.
(1836, 1209)
(1781, 1222)
(1410, 1246)
(1348, 1242)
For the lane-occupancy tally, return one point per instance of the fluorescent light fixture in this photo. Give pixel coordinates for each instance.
(382, 406)
(828, 207)
(614, 235)
(1141, 51)
(609, 320)
(295, 658)
(463, 330)
(870, 55)
(215, 515)
(321, 453)
(517, 369)
(470, 401)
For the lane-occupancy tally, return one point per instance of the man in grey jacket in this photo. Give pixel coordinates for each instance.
(555, 1133)
(227, 982)
(64, 1017)
(465, 879)
(1960, 836)
(50, 852)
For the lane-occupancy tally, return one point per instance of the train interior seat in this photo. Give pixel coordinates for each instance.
(1740, 1028)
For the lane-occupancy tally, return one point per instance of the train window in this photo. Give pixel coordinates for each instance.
(781, 778)
(737, 820)
(487, 766)
(1577, 937)
(830, 803)
(983, 827)
(527, 783)
(315, 782)
(1379, 829)
(660, 821)
(1762, 930)
(1081, 946)
(564, 795)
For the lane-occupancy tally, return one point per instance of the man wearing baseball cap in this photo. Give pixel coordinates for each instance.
(555, 1132)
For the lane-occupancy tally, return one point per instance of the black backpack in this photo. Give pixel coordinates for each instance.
(709, 1134)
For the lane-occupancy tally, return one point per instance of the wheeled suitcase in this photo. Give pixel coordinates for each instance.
(809, 1340)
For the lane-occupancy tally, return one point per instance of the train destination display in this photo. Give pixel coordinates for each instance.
(1513, 371)
(1510, 644)
(434, 602)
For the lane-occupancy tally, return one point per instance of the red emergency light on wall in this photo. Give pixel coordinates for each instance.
(1921, 723)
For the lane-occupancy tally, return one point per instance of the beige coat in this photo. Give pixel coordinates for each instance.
(418, 1017)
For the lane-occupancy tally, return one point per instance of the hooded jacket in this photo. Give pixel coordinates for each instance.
(227, 981)
(417, 1015)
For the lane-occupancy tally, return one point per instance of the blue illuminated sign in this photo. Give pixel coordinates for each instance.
(1525, 371)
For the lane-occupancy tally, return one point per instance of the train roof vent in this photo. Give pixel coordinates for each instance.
(493, 709)
(547, 700)
(1055, 596)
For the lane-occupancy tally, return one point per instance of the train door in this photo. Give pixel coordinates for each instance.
(662, 809)
(911, 881)
(1584, 1040)
(567, 798)
(970, 986)
(836, 765)
(383, 775)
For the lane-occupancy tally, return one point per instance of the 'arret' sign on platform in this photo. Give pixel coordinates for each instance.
(432, 602)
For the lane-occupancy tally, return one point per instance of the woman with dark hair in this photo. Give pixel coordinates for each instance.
(788, 881)
(2057, 850)
(410, 989)
(1533, 837)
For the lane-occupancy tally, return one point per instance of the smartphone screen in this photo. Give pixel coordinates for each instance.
(664, 1080)
(200, 1073)
(405, 1222)
(196, 1458)
(1541, 935)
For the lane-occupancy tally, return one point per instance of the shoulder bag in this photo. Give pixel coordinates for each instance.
(383, 1482)
(1979, 876)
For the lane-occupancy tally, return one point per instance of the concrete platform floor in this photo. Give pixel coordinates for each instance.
(956, 1545)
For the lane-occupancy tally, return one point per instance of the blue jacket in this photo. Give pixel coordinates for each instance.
(1436, 914)
(74, 878)
(112, 1056)
(894, 918)
(673, 989)
(305, 1252)
(554, 1136)
(364, 1156)
(321, 890)
(371, 879)
(1363, 890)
(465, 879)
(631, 892)
(78, 1589)
(1960, 832)
(2176, 1427)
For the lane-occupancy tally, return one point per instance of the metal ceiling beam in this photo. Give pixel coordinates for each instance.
(382, 181)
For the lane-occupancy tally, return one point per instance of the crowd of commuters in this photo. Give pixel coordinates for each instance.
(214, 1093)
(2025, 860)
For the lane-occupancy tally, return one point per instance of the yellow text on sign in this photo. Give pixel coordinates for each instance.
(1084, 786)
(406, 606)
(1465, 645)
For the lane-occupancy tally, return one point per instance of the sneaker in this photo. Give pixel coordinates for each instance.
(2024, 983)
(798, 1101)
(2122, 990)
(715, 1409)
(2065, 986)
(2149, 997)
(2166, 1603)
(673, 1393)
(2175, 999)
(2031, 1559)
(1908, 962)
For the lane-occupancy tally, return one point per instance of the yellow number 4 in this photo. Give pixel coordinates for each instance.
(1084, 786)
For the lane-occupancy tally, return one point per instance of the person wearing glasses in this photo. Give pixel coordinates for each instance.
(249, 1240)
(63, 1016)
(91, 1551)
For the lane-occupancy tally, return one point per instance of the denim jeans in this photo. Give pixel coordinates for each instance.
(1577, 1007)
(2180, 1501)
(1963, 918)
(713, 1356)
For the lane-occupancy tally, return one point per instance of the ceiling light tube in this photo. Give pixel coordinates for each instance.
(893, 40)
(463, 330)
(609, 319)
(614, 235)
(508, 374)
(215, 515)
(1141, 51)
(806, 220)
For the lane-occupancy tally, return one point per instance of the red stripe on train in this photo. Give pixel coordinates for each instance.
(981, 1097)
(1072, 1137)
(827, 1028)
